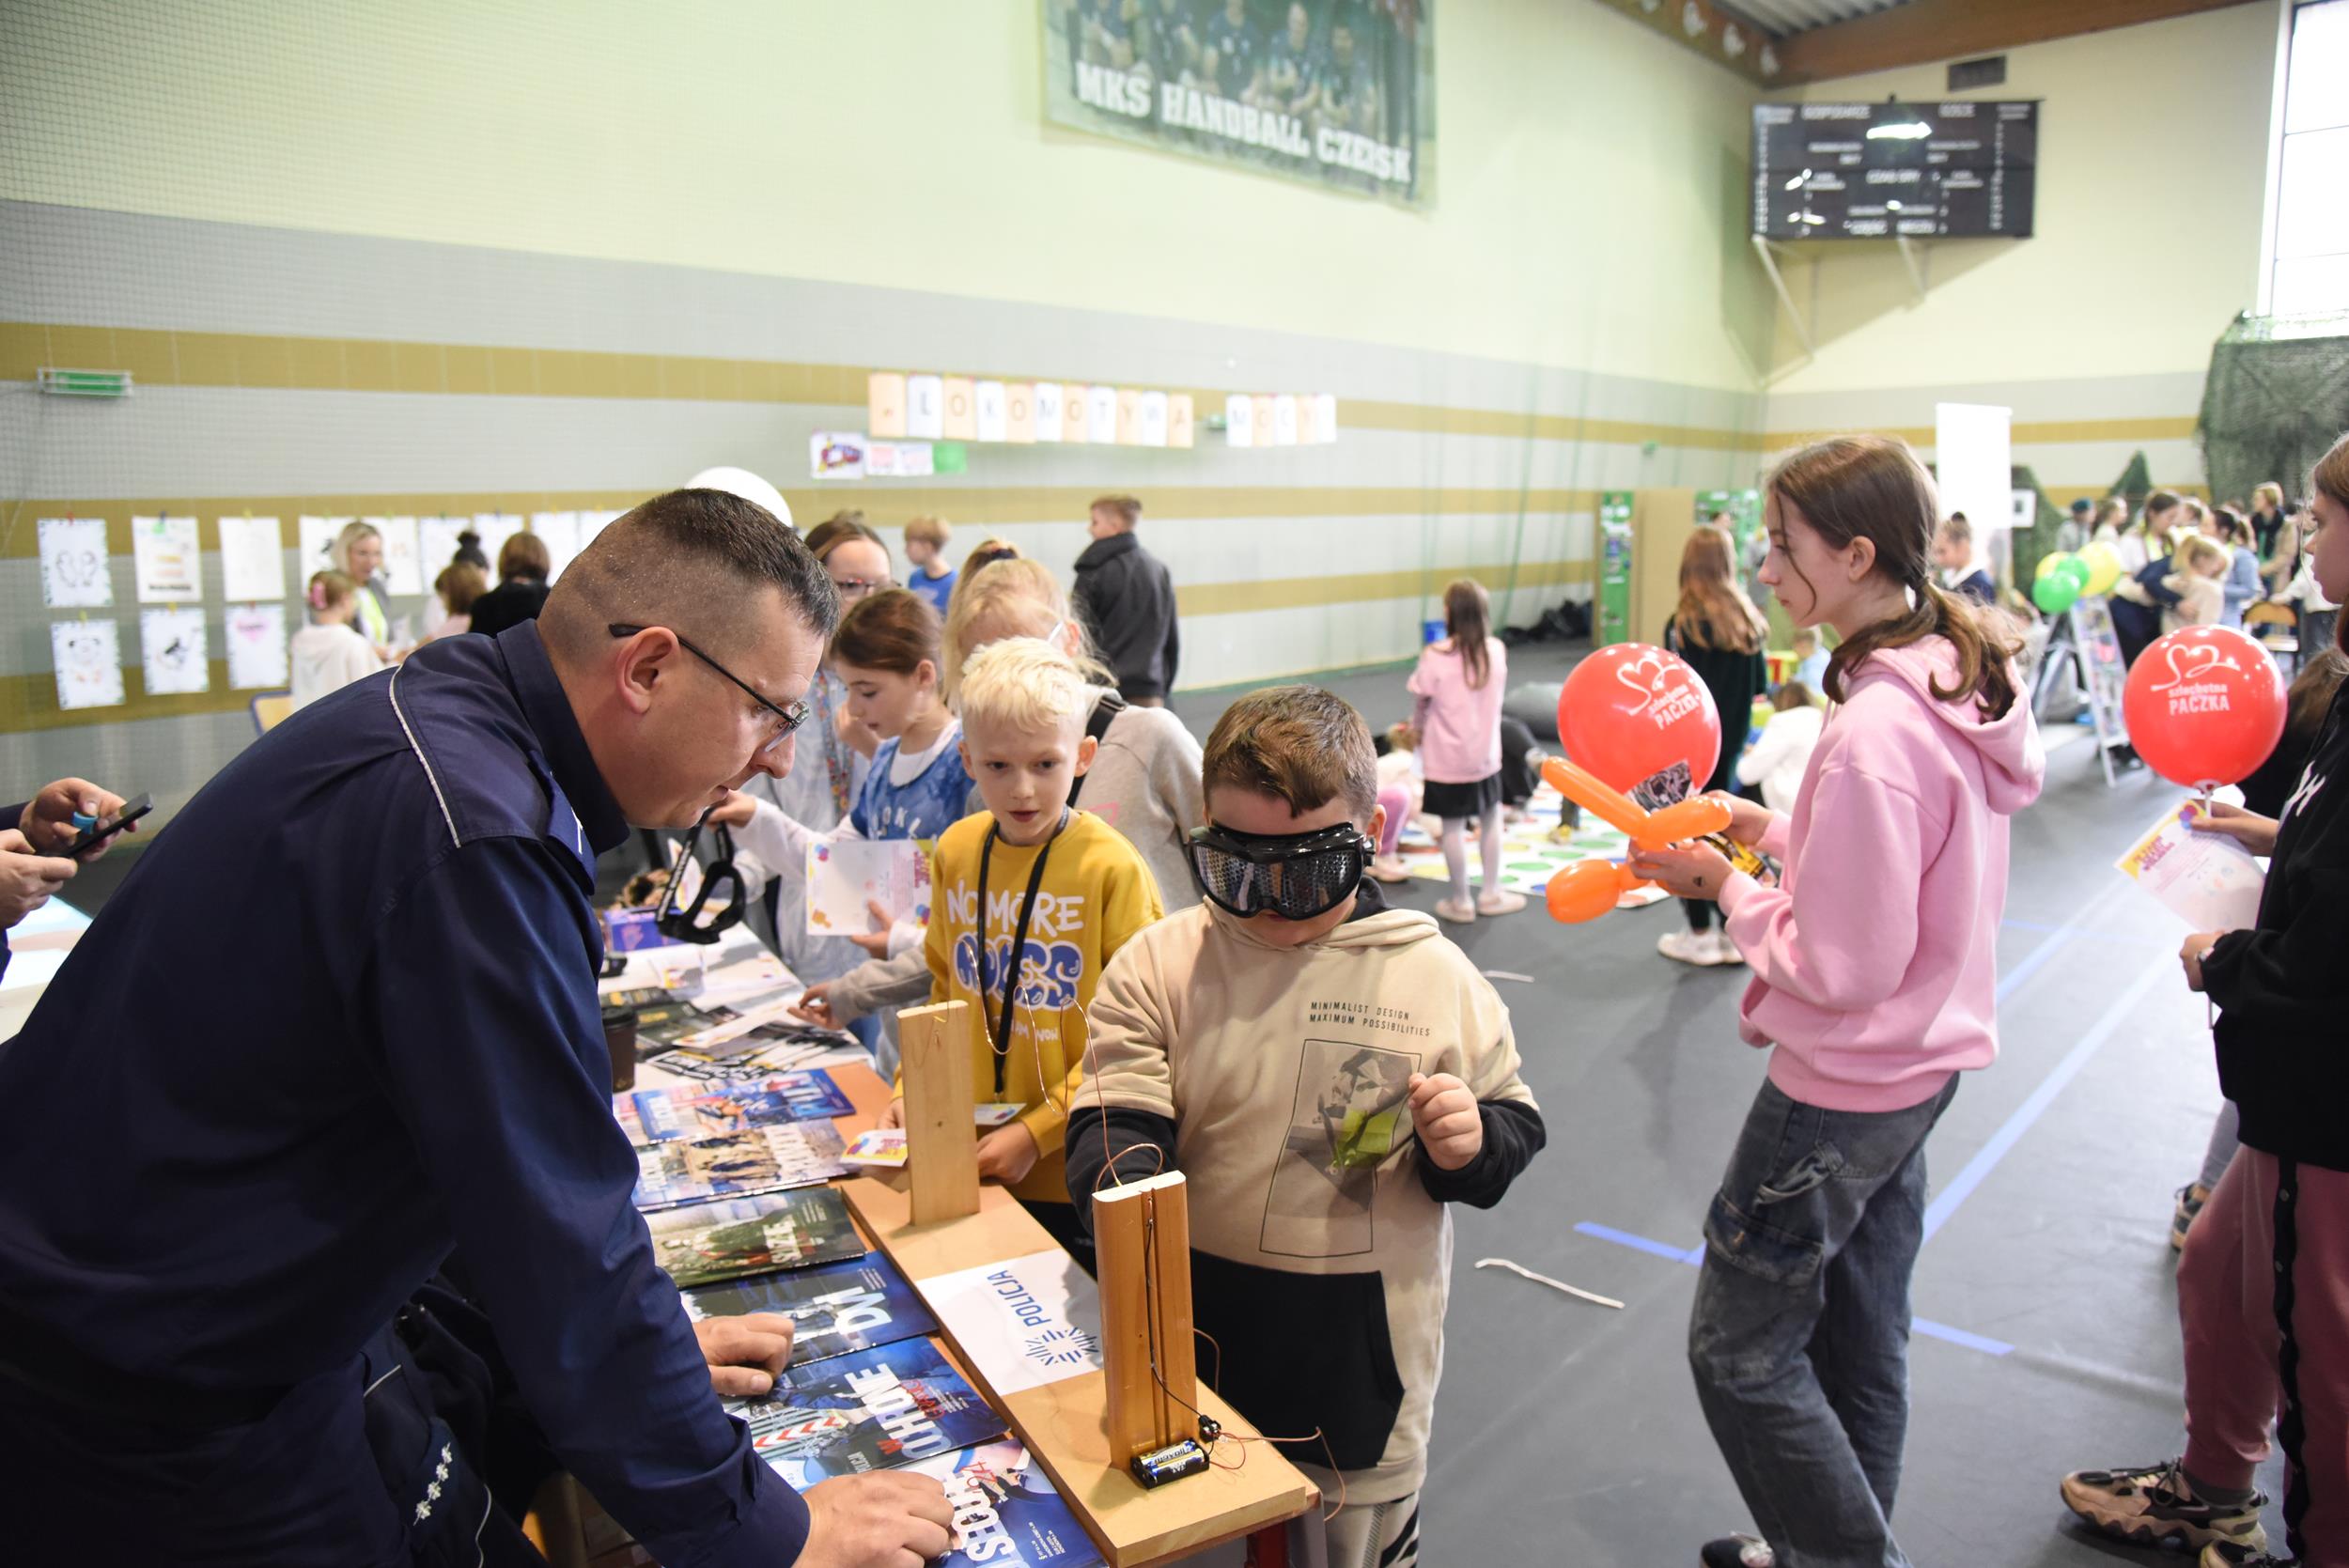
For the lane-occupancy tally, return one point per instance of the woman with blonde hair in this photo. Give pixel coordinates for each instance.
(1717, 628)
(358, 554)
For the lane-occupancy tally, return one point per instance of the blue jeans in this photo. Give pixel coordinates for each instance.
(1799, 1338)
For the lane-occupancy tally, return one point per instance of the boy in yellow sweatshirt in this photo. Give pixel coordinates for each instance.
(1060, 886)
(1328, 1074)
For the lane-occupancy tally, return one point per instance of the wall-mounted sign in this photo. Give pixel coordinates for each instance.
(1333, 92)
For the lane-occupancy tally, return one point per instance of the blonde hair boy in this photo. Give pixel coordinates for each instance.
(1032, 890)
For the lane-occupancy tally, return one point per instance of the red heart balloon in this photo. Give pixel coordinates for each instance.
(2204, 705)
(1629, 711)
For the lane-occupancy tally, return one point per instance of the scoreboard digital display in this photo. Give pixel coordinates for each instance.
(1873, 171)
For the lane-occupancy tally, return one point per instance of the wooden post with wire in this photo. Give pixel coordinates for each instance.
(1141, 1231)
(941, 1135)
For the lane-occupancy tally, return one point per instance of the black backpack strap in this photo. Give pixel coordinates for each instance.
(1104, 713)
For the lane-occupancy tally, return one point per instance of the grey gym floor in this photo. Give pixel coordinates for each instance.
(1567, 1434)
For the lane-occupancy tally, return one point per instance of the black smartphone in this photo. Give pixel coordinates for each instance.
(133, 809)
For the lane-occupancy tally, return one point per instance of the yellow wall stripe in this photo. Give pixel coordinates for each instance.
(964, 505)
(2043, 433)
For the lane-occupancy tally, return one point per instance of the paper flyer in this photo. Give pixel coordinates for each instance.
(89, 655)
(845, 876)
(251, 559)
(403, 565)
(436, 545)
(258, 658)
(169, 564)
(73, 574)
(884, 1147)
(2206, 879)
(176, 652)
(316, 542)
(1023, 1323)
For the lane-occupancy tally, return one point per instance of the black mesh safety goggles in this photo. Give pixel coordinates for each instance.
(1294, 876)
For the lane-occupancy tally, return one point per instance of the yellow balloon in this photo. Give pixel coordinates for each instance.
(2103, 567)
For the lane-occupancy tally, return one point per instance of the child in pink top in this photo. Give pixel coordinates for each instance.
(1459, 685)
(1875, 978)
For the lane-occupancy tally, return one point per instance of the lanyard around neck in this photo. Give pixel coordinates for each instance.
(999, 1025)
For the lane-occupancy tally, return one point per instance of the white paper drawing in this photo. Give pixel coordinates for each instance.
(560, 533)
(403, 567)
(257, 647)
(168, 561)
(316, 544)
(73, 572)
(846, 877)
(926, 407)
(436, 543)
(251, 559)
(176, 652)
(89, 663)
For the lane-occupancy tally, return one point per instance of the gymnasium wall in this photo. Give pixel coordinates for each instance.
(466, 257)
(2097, 332)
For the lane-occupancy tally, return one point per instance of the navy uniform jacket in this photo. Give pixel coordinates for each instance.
(341, 1018)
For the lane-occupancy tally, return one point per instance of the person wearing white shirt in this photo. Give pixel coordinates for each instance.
(1781, 753)
(329, 653)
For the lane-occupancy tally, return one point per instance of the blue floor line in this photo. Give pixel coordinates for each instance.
(2010, 1132)
(1926, 1326)
(2033, 961)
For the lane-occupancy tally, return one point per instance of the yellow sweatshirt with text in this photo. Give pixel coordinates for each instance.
(1095, 894)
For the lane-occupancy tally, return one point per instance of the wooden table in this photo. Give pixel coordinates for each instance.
(1061, 1423)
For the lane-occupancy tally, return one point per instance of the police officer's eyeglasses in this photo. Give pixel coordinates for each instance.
(791, 718)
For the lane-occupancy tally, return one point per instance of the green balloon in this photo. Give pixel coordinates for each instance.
(2077, 571)
(2048, 563)
(2055, 591)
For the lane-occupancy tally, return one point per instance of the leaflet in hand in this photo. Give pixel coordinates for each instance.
(736, 1165)
(873, 1410)
(706, 1112)
(1007, 1513)
(839, 1308)
(708, 1242)
(2207, 879)
(846, 876)
(884, 1147)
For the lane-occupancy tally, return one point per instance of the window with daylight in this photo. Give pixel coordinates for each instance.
(2311, 265)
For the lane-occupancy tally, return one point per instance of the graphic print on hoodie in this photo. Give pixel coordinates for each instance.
(1876, 960)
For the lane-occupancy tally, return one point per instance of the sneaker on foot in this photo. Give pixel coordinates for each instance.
(1388, 868)
(1725, 951)
(1502, 902)
(1457, 911)
(2227, 1554)
(1737, 1551)
(2153, 1503)
(2190, 1201)
(1689, 947)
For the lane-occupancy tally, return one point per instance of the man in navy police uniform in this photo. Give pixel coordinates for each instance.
(342, 1019)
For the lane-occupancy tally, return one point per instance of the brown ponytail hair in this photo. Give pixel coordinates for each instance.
(1465, 620)
(2331, 477)
(892, 629)
(1869, 487)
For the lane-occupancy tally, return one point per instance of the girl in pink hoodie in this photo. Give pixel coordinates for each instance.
(1875, 974)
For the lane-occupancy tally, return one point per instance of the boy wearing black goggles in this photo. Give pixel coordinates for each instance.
(1328, 1075)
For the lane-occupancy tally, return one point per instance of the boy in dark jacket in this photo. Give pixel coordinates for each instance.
(1125, 597)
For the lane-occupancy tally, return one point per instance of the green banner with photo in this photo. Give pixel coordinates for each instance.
(1337, 93)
